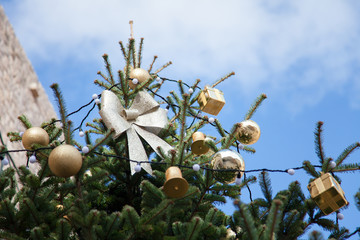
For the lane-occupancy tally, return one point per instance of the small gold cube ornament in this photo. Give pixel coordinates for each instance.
(211, 100)
(327, 193)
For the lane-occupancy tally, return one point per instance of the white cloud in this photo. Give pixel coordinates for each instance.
(295, 49)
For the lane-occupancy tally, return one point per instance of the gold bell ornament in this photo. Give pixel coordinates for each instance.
(327, 193)
(35, 135)
(211, 100)
(140, 74)
(227, 159)
(65, 161)
(248, 132)
(175, 185)
(198, 146)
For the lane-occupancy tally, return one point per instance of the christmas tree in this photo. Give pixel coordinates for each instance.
(152, 172)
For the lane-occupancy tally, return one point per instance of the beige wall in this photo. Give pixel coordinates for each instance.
(17, 78)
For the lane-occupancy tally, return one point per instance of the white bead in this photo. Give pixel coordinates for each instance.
(81, 133)
(291, 171)
(158, 79)
(196, 167)
(95, 96)
(332, 164)
(135, 81)
(97, 101)
(138, 168)
(32, 159)
(21, 134)
(5, 161)
(238, 181)
(85, 149)
(340, 216)
(211, 120)
(191, 90)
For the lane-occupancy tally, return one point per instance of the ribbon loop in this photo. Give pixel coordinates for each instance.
(144, 118)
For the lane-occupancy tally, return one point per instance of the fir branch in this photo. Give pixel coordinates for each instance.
(318, 142)
(250, 228)
(140, 52)
(230, 139)
(255, 106)
(310, 169)
(62, 109)
(108, 68)
(163, 67)
(273, 220)
(220, 129)
(124, 87)
(182, 119)
(265, 184)
(197, 223)
(103, 76)
(346, 153)
(152, 63)
(222, 79)
(123, 50)
(102, 141)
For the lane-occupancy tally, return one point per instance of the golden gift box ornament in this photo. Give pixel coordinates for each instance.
(327, 193)
(211, 100)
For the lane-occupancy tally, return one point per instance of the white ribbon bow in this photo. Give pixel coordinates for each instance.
(144, 118)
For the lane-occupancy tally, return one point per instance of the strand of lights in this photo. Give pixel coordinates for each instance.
(195, 167)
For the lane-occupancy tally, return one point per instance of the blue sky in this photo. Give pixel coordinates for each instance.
(303, 54)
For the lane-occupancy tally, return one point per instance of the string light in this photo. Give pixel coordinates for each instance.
(85, 149)
(32, 158)
(138, 168)
(95, 96)
(332, 164)
(291, 171)
(195, 167)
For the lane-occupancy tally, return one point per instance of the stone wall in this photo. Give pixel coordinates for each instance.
(20, 90)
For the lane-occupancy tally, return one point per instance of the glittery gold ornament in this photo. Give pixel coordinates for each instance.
(211, 100)
(140, 74)
(198, 146)
(227, 159)
(327, 193)
(35, 135)
(175, 185)
(248, 132)
(65, 161)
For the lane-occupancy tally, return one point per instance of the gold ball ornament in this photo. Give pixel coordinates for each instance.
(248, 132)
(35, 135)
(227, 159)
(65, 161)
(140, 74)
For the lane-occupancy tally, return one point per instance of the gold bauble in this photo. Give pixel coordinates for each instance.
(65, 161)
(35, 135)
(227, 159)
(175, 185)
(248, 132)
(198, 146)
(59, 207)
(140, 74)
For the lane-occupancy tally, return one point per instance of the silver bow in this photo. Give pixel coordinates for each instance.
(144, 118)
